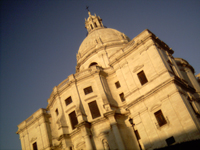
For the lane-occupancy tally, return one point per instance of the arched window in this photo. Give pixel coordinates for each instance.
(95, 25)
(91, 26)
(93, 64)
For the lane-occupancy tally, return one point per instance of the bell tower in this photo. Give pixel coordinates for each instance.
(93, 22)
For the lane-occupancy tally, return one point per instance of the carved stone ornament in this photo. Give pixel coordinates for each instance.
(137, 68)
(105, 144)
(33, 139)
(154, 107)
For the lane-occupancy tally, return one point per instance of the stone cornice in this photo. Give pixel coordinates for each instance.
(97, 121)
(175, 80)
(84, 124)
(74, 132)
(63, 136)
(183, 63)
(162, 45)
(95, 50)
(75, 78)
(110, 113)
(131, 47)
(32, 119)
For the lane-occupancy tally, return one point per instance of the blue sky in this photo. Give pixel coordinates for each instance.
(40, 39)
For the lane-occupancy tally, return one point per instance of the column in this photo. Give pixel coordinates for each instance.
(113, 123)
(193, 80)
(88, 142)
(118, 137)
(85, 131)
(66, 142)
(22, 141)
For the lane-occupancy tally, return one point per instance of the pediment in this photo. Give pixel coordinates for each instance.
(154, 107)
(33, 139)
(138, 68)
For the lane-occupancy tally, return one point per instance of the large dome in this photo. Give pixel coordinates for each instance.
(101, 37)
(98, 41)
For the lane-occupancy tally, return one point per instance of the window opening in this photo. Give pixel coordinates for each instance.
(35, 146)
(68, 101)
(117, 84)
(93, 64)
(137, 134)
(160, 118)
(170, 140)
(57, 113)
(95, 25)
(91, 26)
(122, 97)
(73, 119)
(88, 90)
(142, 77)
(94, 109)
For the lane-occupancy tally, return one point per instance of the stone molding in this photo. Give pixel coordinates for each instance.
(138, 67)
(33, 139)
(91, 97)
(80, 145)
(132, 49)
(183, 63)
(97, 121)
(70, 109)
(63, 136)
(84, 124)
(66, 84)
(154, 107)
(175, 80)
(27, 123)
(85, 56)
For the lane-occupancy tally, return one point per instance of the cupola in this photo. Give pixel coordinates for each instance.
(100, 40)
(93, 22)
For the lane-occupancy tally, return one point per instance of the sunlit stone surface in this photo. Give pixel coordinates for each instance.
(118, 80)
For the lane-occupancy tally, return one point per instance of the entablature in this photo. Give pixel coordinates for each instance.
(40, 115)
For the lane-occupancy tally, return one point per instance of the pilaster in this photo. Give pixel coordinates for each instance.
(85, 131)
(113, 123)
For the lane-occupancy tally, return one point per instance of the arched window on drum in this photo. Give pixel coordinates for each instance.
(93, 64)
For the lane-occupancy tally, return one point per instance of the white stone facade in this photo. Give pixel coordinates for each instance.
(116, 80)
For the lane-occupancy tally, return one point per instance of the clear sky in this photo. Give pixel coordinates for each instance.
(40, 39)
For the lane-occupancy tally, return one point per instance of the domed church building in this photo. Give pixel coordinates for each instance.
(125, 95)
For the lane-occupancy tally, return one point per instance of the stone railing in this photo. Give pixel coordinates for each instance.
(63, 83)
(129, 45)
(29, 119)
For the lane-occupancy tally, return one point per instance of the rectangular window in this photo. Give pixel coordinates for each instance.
(142, 77)
(57, 113)
(160, 118)
(122, 97)
(137, 134)
(91, 26)
(88, 90)
(94, 109)
(68, 101)
(117, 84)
(95, 24)
(35, 146)
(170, 140)
(73, 119)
